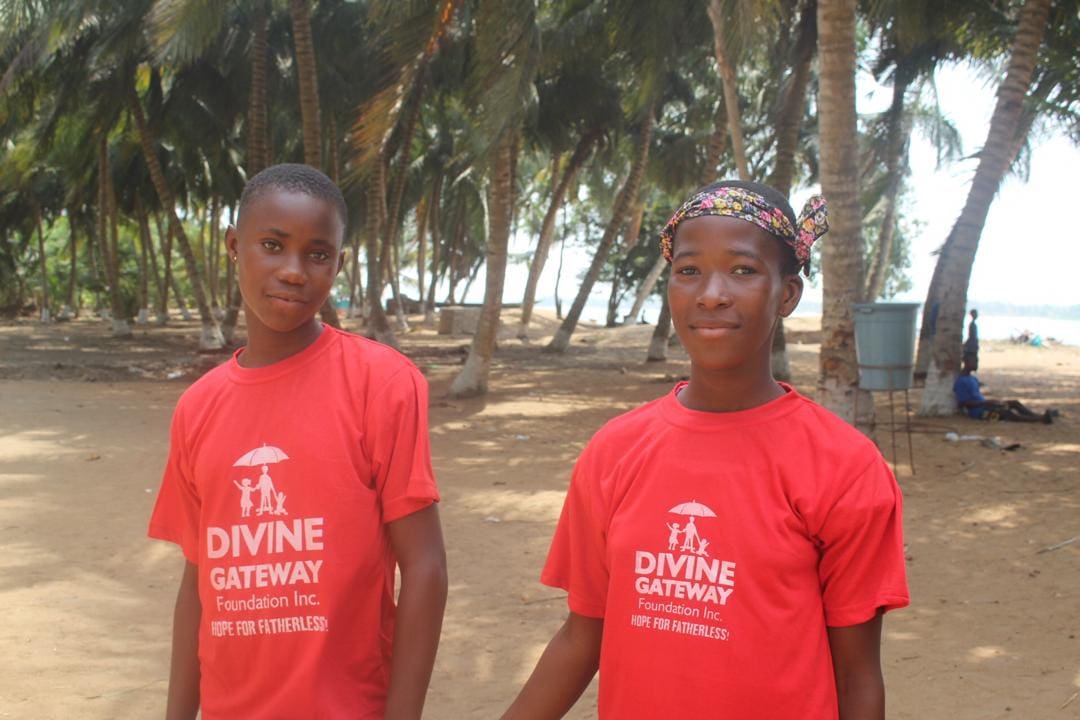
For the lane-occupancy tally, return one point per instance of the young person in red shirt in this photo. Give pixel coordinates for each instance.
(298, 477)
(728, 549)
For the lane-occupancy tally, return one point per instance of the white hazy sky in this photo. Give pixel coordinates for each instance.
(1030, 248)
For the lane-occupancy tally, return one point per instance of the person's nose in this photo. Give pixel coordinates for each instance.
(715, 291)
(291, 269)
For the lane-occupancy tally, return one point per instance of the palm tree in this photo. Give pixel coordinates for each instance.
(955, 262)
(725, 62)
(841, 254)
(790, 112)
(473, 378)
(300, 13)
(211, 338)
(500, 81)
(566, 177)
(626, 198)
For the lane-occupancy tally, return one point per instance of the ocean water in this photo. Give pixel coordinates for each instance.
(991, 327)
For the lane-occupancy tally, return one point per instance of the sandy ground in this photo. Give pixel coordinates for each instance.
(992, 631)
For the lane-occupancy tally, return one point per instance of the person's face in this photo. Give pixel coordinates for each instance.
(287, 247)
(727, 291)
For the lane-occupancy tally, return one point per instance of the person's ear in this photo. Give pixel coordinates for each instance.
(341, 260)
(791, 294)
(232, 243)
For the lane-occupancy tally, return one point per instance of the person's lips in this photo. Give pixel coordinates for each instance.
(713, 325)
(712, 328)
(287, 298)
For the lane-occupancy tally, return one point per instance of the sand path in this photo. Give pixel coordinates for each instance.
(992, 632)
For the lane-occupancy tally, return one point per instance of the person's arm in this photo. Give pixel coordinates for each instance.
(856, 656)
(418, 544)
(563, 672)
(183, 698)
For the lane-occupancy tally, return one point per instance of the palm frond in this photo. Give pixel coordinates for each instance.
(411, 38)
(182, 30)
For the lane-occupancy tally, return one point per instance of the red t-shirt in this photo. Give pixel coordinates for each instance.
(279, 484)
(717, 547)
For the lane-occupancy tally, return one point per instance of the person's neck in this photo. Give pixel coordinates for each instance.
(266, 347)
(729, 390)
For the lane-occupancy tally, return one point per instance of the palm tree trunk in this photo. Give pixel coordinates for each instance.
(153, 268)
(633, 235)
(144, 262)
(788, 123)
(211, 338)
(212, 253)
(165, 239)
(547, 227)
(626, 198)
(454, 254)
(45, 314)
(72, 308)
(397, 191)
(841, 255)
(438, 253)
(377, 325)
(714, 150)
(300, 14)
(473, 378)
(102, 226)
(898, 132)
(258, 155)
(421, 246)
(958, 256)
(181, 304)
(120, 318)
(731, 88)
(792, 108)
(658, 345)
(355, 286)
(645, 290)
(559, 268)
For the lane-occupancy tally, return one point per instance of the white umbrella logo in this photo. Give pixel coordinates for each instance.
(694, 509)
(692, 541)
(265, 455)
(271, 501)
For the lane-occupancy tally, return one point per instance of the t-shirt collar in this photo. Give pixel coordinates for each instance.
(678, 414)
(246, 376)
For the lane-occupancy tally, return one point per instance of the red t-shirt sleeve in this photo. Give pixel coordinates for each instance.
(577, 561)
(398, 445)
(176, 513)
(862, 549)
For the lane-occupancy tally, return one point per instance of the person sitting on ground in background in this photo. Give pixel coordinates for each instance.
(972, 402)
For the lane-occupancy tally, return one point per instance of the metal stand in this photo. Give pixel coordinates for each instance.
(892, 425)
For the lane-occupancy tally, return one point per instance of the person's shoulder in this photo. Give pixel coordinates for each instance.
(206, 387)
(830, 433)
(382, 360)
(632, 425)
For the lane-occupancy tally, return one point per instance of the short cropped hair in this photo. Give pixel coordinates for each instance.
(296, 178)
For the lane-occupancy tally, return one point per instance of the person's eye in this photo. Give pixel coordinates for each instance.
(271, 245)
(744, 270)
(320, 255)
(687, 270)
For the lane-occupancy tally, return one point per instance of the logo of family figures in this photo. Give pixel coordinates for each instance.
(271, 502)
(692, 541)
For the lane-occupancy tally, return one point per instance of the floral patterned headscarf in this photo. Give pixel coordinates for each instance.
(739, 200)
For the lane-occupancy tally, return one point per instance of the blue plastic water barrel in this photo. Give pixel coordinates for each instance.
(885, 344)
